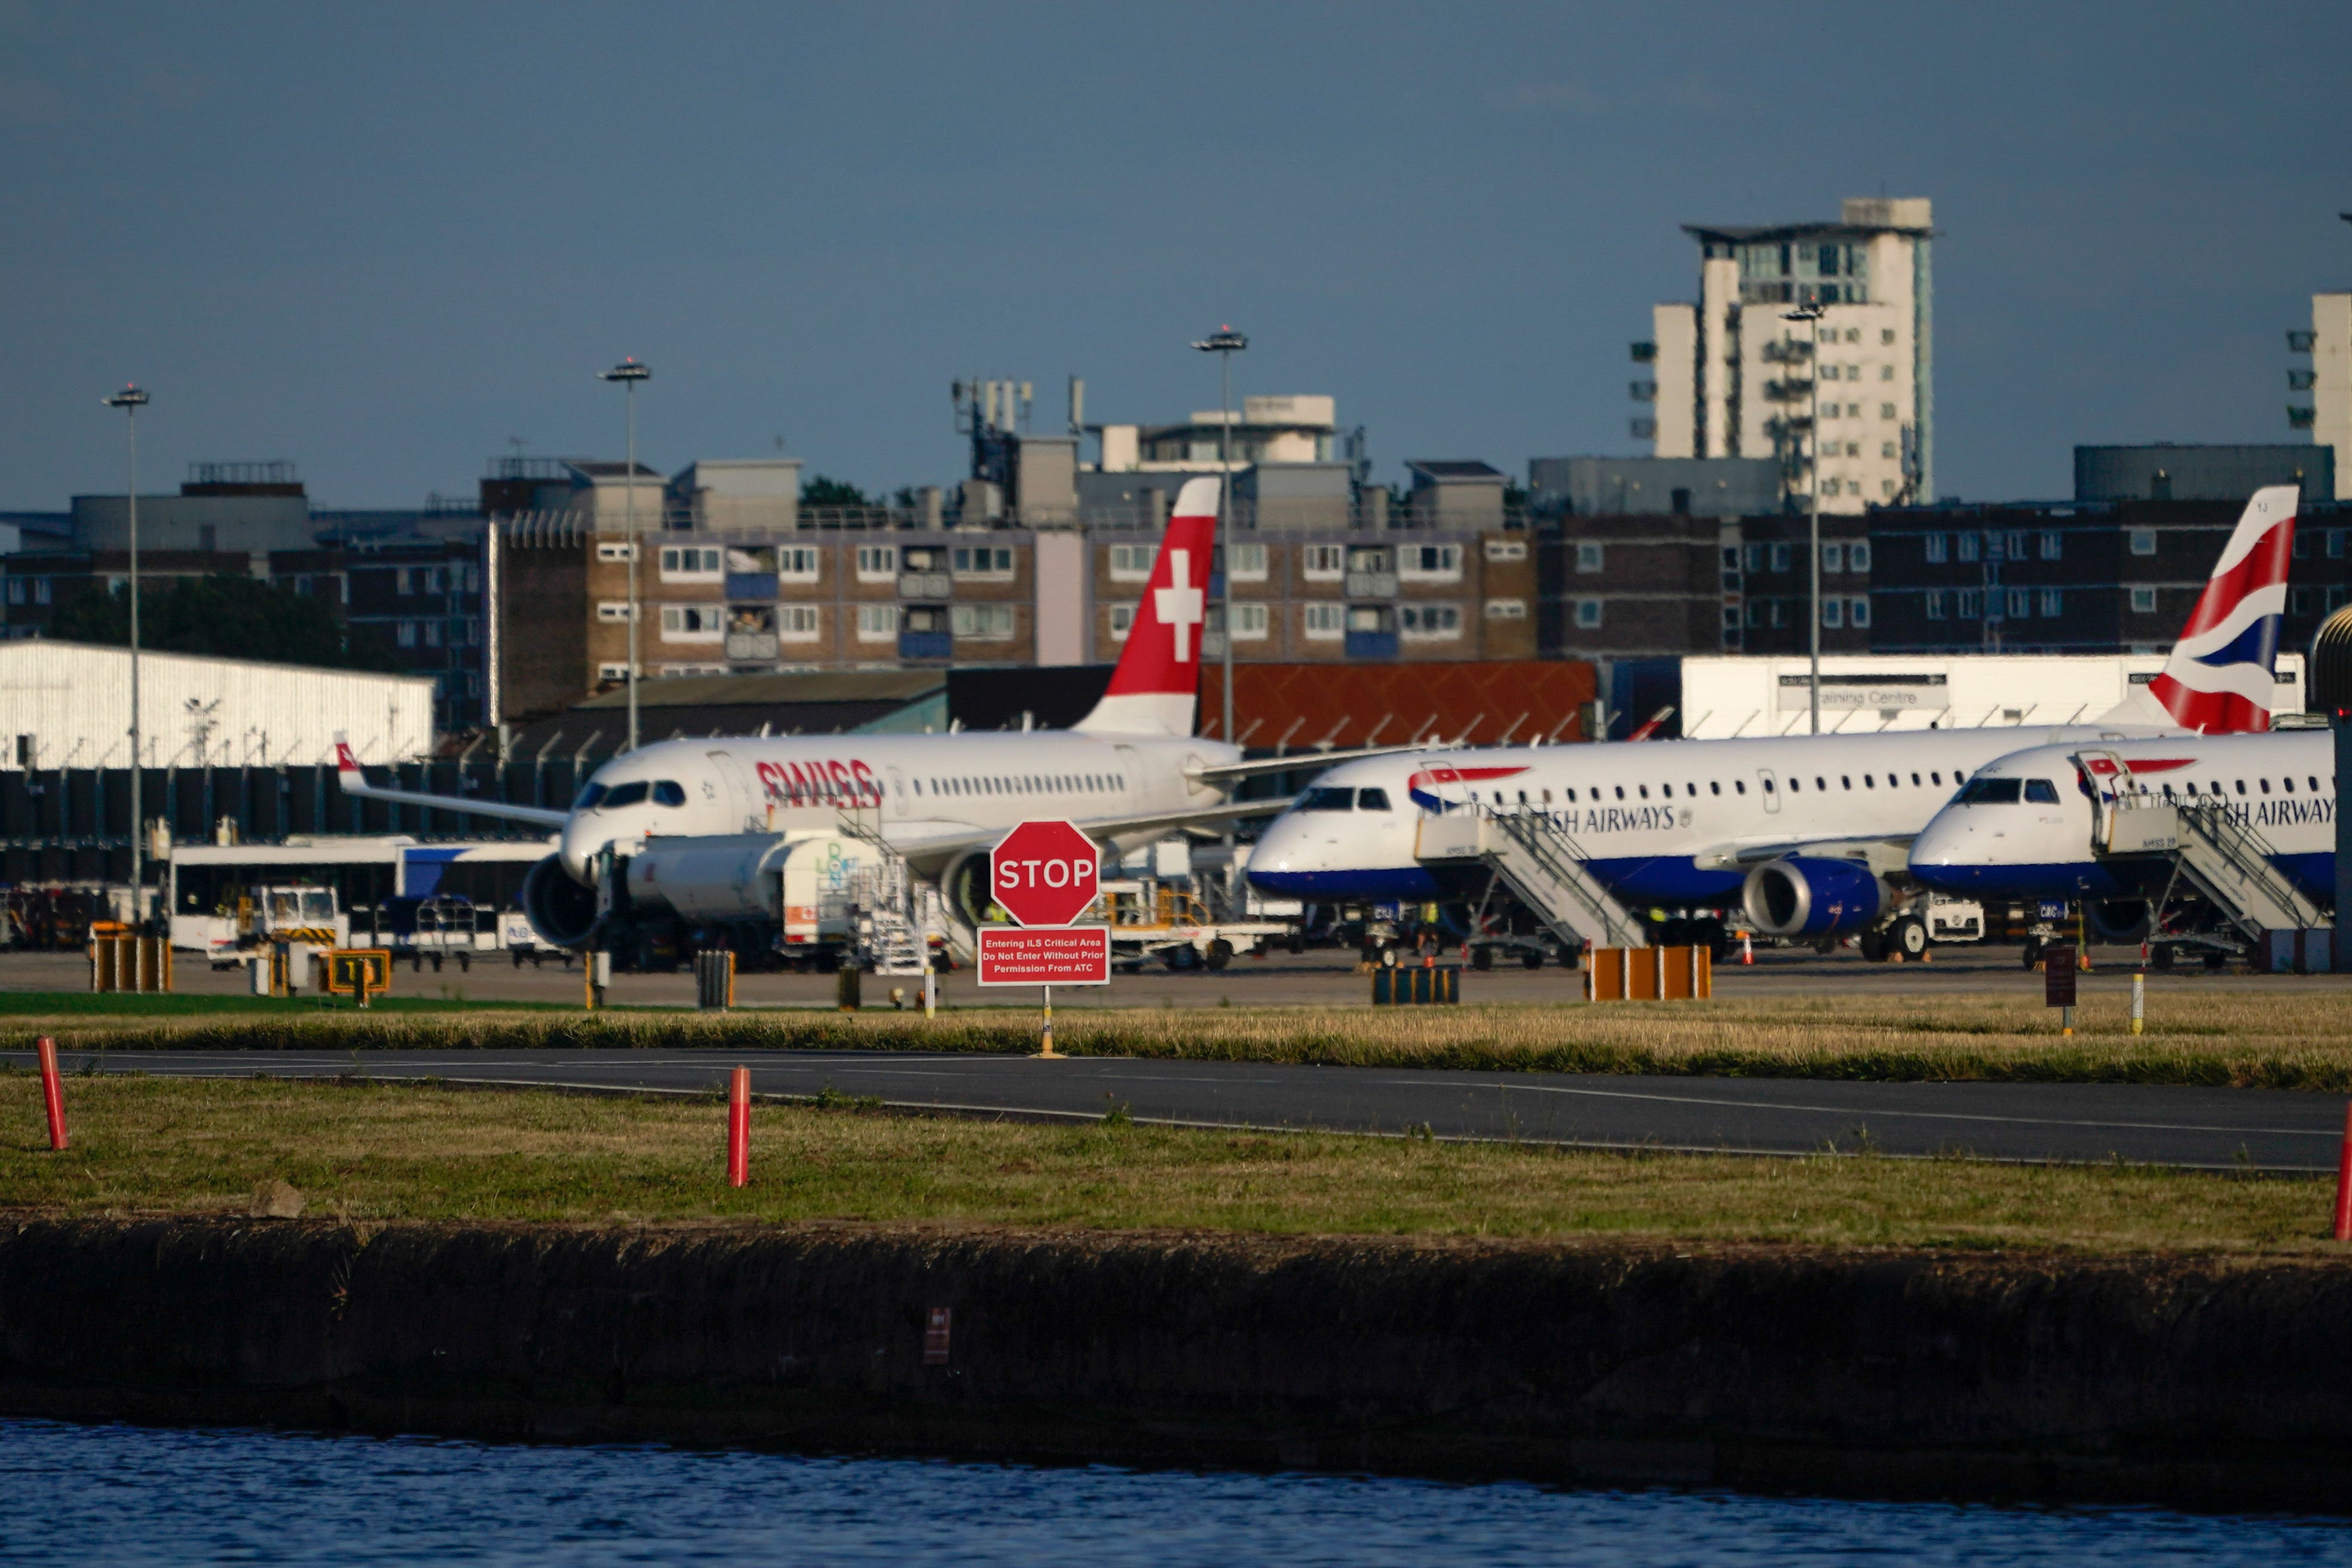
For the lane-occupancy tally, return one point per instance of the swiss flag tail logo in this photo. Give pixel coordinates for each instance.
(1158, 682)
(345, 762)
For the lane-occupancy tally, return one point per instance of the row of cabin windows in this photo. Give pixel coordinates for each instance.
(1026, 784)
(2213, 786)
(1933, 779)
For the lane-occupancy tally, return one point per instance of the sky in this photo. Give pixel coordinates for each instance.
(388, 242)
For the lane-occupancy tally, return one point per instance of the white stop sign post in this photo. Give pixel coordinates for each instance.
(1044, 875)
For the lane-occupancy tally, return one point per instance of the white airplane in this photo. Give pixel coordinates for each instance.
(2022, 827)
(699, 823)
(1809, 835)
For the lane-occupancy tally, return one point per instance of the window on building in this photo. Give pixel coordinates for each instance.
(2053, 601)
(1754, 556)
(403, 581)
(1323, 563)
(44, 589)
(1857, 555)
(1832, 612)
(983, 561)
(432, 633)
(404, 634)
(1123, 621)
(2052, 546)
(982, 623)
(1131, 562)
(2143, 601)
(1588, 555)
(1781, 556)
(1972, 604)
(611, 610)
(1857, 613)
(1322, 620)
(878, 562)
(797, 623)
(1430, 622)
(1833, 557)
(689, 623)
(2020, 602)
(16, 590)
(1249, 623)
(1828, 373)
(1940, 605)
(1830, 488)
(1972, 547)
(1507, 550)
(607, 550)
(796, 564)
(1246, 564)
(1938, 548)
(1887, 410)
(2143, 542)
(2335, 544)
(1430, 560)
(691, 563)
(1588, 613)
(1779, 609)
(878, 623)
(1506, 609)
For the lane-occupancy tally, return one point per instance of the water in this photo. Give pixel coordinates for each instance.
(121, 1494)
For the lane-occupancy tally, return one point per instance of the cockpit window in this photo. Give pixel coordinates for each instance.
(668, 792)
(1327, 799)
(1982, 791)
(2040, 792)
(1372, 800)
(634, 794)
(589, 795)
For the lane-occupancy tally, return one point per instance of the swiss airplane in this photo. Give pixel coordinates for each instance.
(1811, 835)
(1129, 772)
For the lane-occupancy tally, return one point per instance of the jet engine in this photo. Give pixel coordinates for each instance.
(1806, 896)
(965, 887)
(561, 912)
(2120, 922)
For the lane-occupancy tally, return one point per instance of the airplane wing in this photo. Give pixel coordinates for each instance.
(353, 781)
(1887, 855)
(928, 852)
(1299, 762)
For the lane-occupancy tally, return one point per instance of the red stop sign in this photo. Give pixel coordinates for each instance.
(1044, 873)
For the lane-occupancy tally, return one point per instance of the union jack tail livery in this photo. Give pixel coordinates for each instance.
(2218, 680)
(1156, 684)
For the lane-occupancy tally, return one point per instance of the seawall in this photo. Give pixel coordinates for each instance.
(2197, 1381)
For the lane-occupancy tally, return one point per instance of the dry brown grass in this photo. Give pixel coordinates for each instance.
(2299, 1038)
(382, 1153)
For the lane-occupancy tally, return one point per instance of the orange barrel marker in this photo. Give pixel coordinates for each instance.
(739, 1129)
(53, 1094)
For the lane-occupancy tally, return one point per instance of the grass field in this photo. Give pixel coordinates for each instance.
(2277, 1040)
(368, 1152)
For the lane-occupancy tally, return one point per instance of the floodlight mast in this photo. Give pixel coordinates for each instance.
(131, 400)
(1812, 311)
(628, 373)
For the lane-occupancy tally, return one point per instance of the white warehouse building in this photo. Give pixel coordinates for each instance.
(68, 705)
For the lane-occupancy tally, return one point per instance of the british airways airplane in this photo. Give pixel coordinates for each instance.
(701, 821)
(1811, 835)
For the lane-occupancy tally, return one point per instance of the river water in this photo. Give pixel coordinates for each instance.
(124, 1494)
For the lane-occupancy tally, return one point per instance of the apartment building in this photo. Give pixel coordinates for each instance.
(1845, 405)
(1650, 586)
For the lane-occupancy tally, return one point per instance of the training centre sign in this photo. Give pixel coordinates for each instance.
(1045, 874)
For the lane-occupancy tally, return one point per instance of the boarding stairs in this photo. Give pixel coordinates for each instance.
(1541, 865)
(2219, 855)
(887, 924)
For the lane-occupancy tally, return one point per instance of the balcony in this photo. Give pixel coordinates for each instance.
(925, 644)
(755, 647)
(1371, 585)
(758, 587)
(924, 585)
(1372, 645)
(1790, 391)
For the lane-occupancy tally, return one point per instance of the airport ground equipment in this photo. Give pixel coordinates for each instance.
(2208, 847)
(1649, 973)
(1406, 985)
(1543, 866)
(248, 921)
(1149, 920)
(121, 961)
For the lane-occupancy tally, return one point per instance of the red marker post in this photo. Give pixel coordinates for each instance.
(2343, 1176)
(53, 1093)
(739, 1129)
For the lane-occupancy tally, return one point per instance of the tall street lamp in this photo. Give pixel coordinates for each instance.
(1813, 313)
(628, 373)
(1225, 342)
(131, 400)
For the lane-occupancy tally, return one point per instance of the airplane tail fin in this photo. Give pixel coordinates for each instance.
(2220, 679)
(1157, 686)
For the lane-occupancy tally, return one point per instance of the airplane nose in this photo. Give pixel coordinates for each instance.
(1946, 856)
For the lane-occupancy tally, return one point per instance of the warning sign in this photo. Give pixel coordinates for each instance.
(1044, 955)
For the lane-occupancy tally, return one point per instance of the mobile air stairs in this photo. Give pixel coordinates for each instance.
(2208, 847)
(1541, 865)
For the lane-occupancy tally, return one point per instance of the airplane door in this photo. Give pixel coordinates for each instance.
(1770, 782)
(895, 803)
(722, 790)
(1131, 774)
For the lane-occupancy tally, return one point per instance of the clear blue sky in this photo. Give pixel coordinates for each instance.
(380, 241)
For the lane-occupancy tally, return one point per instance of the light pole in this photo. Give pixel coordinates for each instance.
(131, 400)
(628, 373)
(1813, 313)
(1225, 342)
